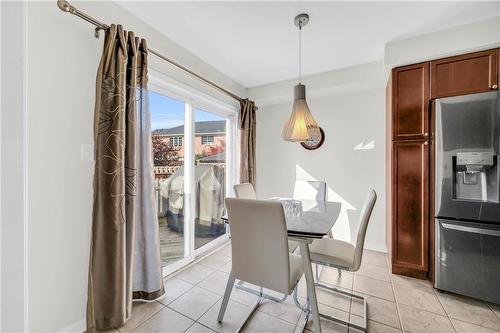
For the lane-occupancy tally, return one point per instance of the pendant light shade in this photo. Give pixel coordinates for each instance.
(301, 124)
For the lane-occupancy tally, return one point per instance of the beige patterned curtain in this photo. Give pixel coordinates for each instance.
(124, 253)
(247, 124)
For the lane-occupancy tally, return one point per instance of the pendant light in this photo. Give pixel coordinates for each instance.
(301, 125)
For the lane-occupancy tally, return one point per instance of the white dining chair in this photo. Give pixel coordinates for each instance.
(344, 256)
(309, 190)
(259, 250)
(245, 191)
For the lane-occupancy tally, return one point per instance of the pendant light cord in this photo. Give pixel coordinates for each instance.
(300, 53)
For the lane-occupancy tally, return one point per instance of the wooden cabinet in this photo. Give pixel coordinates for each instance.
(410, 102)
(410, 93)
(410, 208)
(465, 74)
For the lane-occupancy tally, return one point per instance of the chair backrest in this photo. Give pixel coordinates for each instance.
(245, 191)
(310, 190)
(364, 218)
(259, 243)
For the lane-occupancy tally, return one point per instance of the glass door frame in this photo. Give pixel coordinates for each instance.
(195, 99)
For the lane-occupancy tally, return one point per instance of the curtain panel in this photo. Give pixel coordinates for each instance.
(247, 124)
(124, 252)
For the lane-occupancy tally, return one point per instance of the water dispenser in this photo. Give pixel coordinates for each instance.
(476, 176)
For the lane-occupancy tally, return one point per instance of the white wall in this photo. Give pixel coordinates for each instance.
(349, 104)
(13, 291)
(350, 108)
(62, 60)
(470, 37)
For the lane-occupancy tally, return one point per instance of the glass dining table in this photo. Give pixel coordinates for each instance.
(307, 220)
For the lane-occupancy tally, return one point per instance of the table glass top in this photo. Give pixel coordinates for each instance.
(309, 218)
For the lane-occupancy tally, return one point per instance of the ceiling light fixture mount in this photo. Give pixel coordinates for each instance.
(301, 125)
(301, 20)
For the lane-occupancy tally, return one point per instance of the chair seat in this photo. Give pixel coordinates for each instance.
(332, 252)
(296, 270)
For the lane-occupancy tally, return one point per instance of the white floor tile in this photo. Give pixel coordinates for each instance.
(216, 282)
(286, 310)
(373, 287)
(262, 322)
(379, 310)
(374, 258)
(374, 272)
(195, 273)
(420, 321)
(411, 282)
(332, 276)
(469, 310)
(463, 327)
(235, 315)
(215, 261)
(174, 288)
(165, 320)
(141, 311)
(373, 326)
(328, 326)
(195, 302)
(418, 298)
(198, 328)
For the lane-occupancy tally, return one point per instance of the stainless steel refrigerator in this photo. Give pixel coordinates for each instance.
(467, 208)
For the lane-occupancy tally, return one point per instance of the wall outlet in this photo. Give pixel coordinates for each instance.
(87, 152)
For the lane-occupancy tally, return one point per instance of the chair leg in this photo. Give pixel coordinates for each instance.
(239, 285)
(340, 271)
(350, 324)
(225, 299)
(304, 308)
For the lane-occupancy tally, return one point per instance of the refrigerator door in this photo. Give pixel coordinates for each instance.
(468, 259)
(467, 139)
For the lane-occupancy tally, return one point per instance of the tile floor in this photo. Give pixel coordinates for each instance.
(395, 303)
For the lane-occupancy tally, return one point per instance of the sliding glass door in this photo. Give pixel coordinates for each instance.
(194, 165)
(210, 176)
(167, 124)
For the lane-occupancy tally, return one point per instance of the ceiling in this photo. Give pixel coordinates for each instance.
(256, 43)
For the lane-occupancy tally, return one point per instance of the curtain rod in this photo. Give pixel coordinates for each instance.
(66, 7)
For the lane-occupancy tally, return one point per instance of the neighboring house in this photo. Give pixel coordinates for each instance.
(210, 137)
(219, 159)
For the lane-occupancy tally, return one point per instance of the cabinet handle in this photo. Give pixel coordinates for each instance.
(426, 143)
(426, 134)
(494, 86)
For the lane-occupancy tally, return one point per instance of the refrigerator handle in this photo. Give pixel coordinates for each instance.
(471, 229)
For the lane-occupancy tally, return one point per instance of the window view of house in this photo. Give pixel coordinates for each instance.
(168, 142)
(207, 139)
(176, 141)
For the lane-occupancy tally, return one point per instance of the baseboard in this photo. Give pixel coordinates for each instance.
(376, 247)
(76, 327)
(411, 272)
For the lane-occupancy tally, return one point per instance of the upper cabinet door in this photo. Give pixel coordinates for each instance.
(410, 103)
(466, 74)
